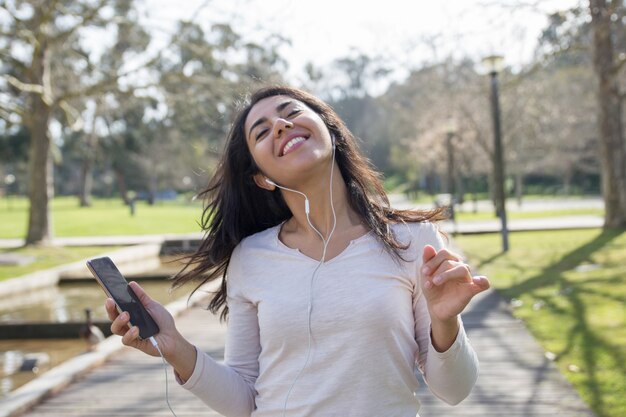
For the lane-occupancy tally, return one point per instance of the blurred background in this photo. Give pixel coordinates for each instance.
(132, 100)
(113, 115)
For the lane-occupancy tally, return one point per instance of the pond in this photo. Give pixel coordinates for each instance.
(64, 303)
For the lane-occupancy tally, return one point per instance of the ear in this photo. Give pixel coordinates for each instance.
(259, 179)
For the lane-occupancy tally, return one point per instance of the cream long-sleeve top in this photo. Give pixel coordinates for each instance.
(369, 333)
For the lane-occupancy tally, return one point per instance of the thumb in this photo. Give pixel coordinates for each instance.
(480, 284)
(428, 254)
(140, 293)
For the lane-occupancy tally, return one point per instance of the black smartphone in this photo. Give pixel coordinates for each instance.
(115, 286)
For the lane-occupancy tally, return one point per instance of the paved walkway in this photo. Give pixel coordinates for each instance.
(516, 379)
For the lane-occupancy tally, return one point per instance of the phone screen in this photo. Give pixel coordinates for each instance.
(114, 284)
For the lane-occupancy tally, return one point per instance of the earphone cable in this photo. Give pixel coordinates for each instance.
(322, 260)
(167, 399)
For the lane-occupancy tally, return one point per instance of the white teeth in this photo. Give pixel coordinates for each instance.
(291, 143)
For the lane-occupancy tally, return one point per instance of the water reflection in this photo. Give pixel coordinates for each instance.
(67, 303)
(51, 351)
(60, 304)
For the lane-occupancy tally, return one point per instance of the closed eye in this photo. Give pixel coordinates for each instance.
(262, 133)
(293, 112)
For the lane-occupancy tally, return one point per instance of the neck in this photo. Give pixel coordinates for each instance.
(321, 211)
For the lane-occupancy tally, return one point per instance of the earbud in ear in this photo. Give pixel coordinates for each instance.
(270, 182)
(333, 137)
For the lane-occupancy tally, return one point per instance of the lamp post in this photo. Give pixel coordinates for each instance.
(450, 189)
(450, 132)
(493, 63)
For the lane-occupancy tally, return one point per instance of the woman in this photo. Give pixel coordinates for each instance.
(332, 296)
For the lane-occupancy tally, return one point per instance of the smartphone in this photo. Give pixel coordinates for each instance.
(115, 286)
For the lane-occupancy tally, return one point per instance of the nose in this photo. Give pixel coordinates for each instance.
(280, 126)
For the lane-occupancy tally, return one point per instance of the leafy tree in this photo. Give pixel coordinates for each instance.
(48, 74)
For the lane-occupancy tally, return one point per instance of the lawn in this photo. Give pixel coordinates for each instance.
(107, 217)
(570, 289)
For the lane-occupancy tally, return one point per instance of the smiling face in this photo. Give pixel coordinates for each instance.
(287, 139)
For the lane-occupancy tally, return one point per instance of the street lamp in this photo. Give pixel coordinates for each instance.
(450, 132)
(493, 63)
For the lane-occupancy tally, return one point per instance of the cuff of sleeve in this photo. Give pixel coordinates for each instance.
(198, 370)
(458, 343)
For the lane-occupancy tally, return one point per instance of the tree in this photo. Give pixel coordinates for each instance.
(47, 74)
(607, 19)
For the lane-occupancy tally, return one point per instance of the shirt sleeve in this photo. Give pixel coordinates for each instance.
(450, 375)
(228, 388)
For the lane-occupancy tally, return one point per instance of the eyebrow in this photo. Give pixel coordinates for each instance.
(279, 108)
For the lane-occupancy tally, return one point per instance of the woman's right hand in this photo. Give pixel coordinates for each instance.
(176, 349)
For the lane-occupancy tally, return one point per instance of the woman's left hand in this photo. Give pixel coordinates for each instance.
(448, 284)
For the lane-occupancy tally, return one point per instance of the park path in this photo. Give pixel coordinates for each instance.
(516, 380)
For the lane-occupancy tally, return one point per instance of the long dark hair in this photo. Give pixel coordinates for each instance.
(235, 207)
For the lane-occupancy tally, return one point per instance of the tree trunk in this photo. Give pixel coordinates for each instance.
(40, 185)
(613, 152)
(121, 185)
(86, 172)
(86, 182)
(39, 227)
(153, 188)
(519, 187)
(493, 195)
(567, 180)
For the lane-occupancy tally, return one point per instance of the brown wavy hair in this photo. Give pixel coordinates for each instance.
(235, 207)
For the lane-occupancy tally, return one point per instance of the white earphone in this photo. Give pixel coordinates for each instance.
(325, 242)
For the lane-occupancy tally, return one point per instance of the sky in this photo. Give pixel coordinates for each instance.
(404, 33)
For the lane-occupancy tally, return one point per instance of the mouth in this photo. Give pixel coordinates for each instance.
(291, 143)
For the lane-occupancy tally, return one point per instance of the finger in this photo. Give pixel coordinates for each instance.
(480, 284)
(460, 272)
(433, 263)
(109, 306)
(140, 293)
(448, 264)
(130, 336)
(428, 253)
(120, 324)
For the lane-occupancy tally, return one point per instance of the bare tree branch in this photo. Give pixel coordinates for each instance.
(72, 115)
(25, 87)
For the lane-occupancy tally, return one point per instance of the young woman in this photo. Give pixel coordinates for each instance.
(333, 298)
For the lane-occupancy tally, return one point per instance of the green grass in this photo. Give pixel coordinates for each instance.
(49, 257)
(571, 287)
(107, 217)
